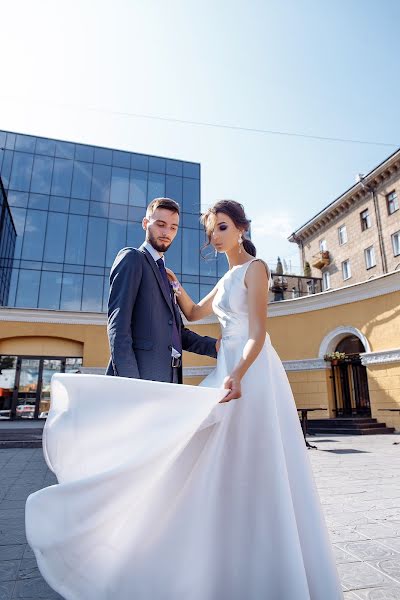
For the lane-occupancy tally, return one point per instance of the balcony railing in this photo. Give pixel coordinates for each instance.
(321, 259)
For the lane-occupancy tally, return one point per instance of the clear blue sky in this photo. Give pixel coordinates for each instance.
(314, 67)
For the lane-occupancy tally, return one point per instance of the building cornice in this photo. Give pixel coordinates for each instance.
(379, 286)
(357, 192)
(379, 358)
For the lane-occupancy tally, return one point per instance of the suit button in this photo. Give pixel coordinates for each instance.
(170, 347)
(170, 322)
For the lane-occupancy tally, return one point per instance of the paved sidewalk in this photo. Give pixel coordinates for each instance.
(359, 483)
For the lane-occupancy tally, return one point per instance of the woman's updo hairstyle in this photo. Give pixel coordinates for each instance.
(235, 211)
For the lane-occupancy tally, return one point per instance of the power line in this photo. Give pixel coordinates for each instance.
(166, 119)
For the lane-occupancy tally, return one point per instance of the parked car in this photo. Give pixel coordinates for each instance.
(25, 410)
(5, 414)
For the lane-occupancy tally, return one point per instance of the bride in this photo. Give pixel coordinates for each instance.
(174, 492)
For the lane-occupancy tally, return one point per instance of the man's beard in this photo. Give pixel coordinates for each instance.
(159, 246)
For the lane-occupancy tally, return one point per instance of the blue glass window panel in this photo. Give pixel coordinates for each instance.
(103, 156)
(157, 165)
(208, 262)
(92, 297)
(18, 199)
(96, 242)
(156, 187)
(65, 149)
(191, 196)
(56, 234)
(190, 278)
(6, 167)
(79, 207)
(94, 271)
(35, 227)
(38, 201)
(73, 268)
(191, 170)
(135, 235)
(3, 136)
(138, 188)
(222, 264)
(19, 217)
(119, 186)
(136, 213)
(205, 290)
(28, 289)
(59, 204)
(62, 177)
(48, 266)
(26, 143)
(76, 239)
(98, 209)
(106, 292)
(50, 290)
(191, 221)
(84, 153)
(173, 188)
(71, 291)
(118, 211)
(174, 167)
(193, 290)
(10, 143)
(41, 174)
(140, 162)
(173, 256)
(101, 183)
(190, 251)
(46, 147)
(81, 180)
(116, 239)
(121, 159)
(13, 287)
(21, 171)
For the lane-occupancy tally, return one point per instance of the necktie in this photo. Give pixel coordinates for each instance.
(176, 339)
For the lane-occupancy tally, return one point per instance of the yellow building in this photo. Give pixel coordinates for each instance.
(363, 317)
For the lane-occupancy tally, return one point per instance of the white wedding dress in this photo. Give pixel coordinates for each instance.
(164, 494)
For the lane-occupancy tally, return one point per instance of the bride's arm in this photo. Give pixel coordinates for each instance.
(191, 310)
(256, 281)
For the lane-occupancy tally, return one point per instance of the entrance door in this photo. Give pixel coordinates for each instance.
(350, 387)
(26, 388)
(50, 366)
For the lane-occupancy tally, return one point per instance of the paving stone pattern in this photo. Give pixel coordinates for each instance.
(358, 479)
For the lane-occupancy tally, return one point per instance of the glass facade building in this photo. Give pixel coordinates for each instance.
(75, 206)
(7, 245)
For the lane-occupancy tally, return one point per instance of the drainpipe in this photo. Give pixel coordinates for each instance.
(372, 190)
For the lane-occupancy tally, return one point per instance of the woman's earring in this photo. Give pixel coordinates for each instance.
(240, 243)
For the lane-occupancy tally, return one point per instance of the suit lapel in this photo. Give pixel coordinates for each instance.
(157, 274)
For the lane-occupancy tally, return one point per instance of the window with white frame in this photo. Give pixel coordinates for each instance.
(342, 232)
(322, 245)
(392, 203)
(396, 243)
(369, 255)
(365, 220)
(326, 280)
(346, 270)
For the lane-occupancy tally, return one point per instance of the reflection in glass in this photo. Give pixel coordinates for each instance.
(27, 389)
(76, 240)
(56, 232)
(28, 289)
(35, 227)
(174, 188)
(116, 239)
(101, 183)
(50, 290)
(71, 291)
(73, 365)
(173, 256)
(25, 143)
(41, 174)
(21, 172)
(135, 235)
(156, 187)
(81, 180)
(191, 196)
(190, 251)
(62, 177)
(92, 293)
(138, 188)
(50, 366)
(96, 242)
(8, 368)
(119, 186)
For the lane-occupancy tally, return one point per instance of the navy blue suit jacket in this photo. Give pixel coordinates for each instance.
(140, 318)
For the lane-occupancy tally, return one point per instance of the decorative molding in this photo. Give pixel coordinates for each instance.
(307, 364)
(93, 370)
(381, 357)
(197, 371)
(332, 339)
(39, 315)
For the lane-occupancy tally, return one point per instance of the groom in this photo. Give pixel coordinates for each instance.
(145, 328)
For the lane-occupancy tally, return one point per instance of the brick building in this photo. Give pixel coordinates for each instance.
(357, 236)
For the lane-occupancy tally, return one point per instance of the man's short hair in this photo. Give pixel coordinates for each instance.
(167, 203)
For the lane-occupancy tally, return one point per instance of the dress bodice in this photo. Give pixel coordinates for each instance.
(230, 303)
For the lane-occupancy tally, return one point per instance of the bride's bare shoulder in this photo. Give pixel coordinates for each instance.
(257, 270)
